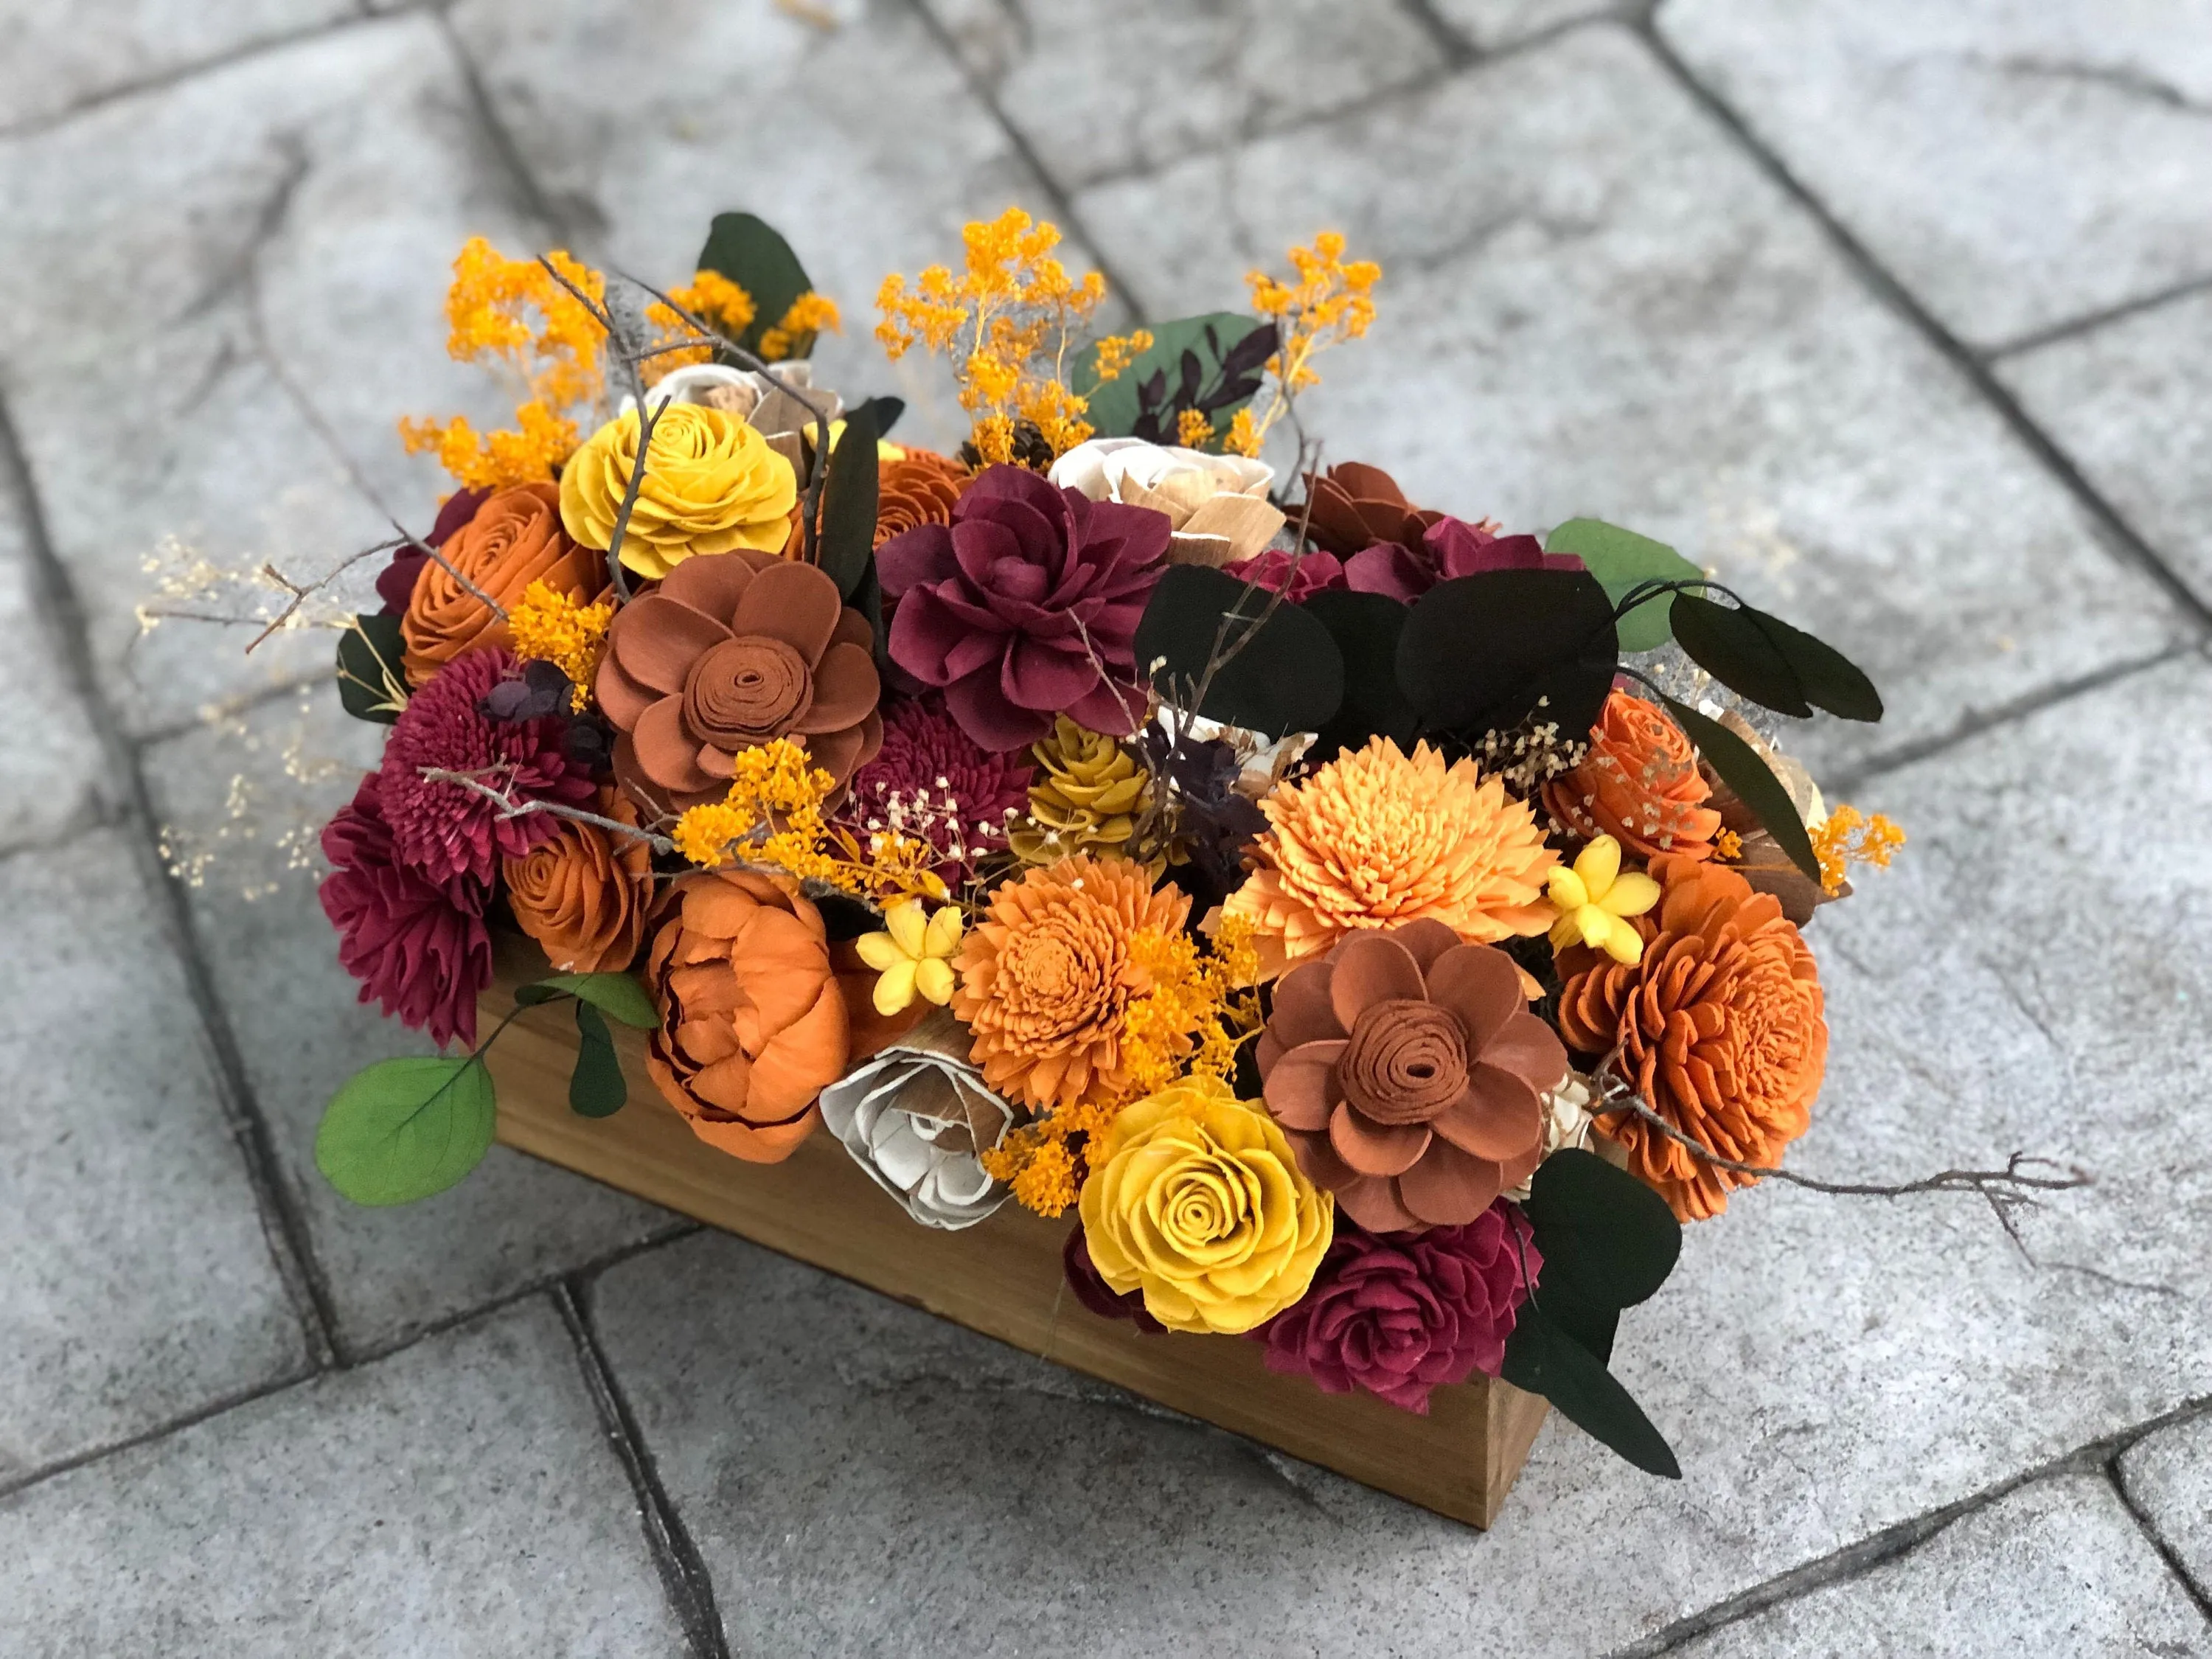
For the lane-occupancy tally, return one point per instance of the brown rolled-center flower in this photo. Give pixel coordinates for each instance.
(745, 691)
(1406, 1062)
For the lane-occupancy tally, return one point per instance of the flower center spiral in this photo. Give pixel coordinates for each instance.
(746, 690)
(1406, 1062)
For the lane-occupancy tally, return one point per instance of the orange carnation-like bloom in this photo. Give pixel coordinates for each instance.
(1046, 978)
(752, 1027)
(1719, 1026)
(583, 892)
(1639, 783)
(1375, 839)
(922, 487)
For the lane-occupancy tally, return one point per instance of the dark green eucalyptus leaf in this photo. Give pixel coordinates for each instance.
(1542, 1358)
(1479, 653)
(847, 537)
(1605, 1236)
(1592, 1325)
(1116, 408)
(596, 1088)
(1287, 675)
(1365, 627)
(1622, 559)
(888, 410)
(1753, 782)
(618, 994)
(1733, 645)
(748, 251)
(402, 1129)
(372, 686)
(1830, 680)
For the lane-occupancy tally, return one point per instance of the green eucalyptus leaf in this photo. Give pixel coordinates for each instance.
(1478, 654)
(618, 994)
(596, 1088)
(747, 249)
(1604, 1234)
(1286, 676)
(1734, 645)
(1366, 627)
(402, 1129)
(1214, 364)
(371, 684)
(847, 542)
(1753, 782)
(1622, 559)
(1543, 1358)
(1830, 680)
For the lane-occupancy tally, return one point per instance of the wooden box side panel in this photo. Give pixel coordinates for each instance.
(1001, 1277)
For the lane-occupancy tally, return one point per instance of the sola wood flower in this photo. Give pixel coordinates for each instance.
(445, 829)
(1719, 1026)
(912, 956)
(1087, 792)
(1354, 506)
(1402, 1317)
(761, 402)
(1092, 1291)
(1218, 504)
(931, 781)
(514, 538)
(1410, 1075)
(914, 1118)
(1376, 838)
(583, 892)
(1595, 898)
(921, 487)
(395, 583)
(732, 652)
(1296, 578)
(1639, 782)
(712, 484)
(753, 1026)
(1194, 1199)
(1024, 607)
(418, 947)
(1448, 548)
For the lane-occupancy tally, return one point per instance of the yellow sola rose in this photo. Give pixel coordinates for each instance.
(712, 484)
(1195, 1198)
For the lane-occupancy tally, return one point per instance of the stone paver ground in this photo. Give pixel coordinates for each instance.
(1898, 313)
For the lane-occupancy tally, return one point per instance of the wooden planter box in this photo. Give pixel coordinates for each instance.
(1001, 1277)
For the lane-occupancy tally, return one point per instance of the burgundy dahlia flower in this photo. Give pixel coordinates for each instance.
(445, 829)
(1401, 1314)
(935, 781)
(418, 947)
(1015, 607)
(1092, 1291)
(1450, 547)
(1316, 572)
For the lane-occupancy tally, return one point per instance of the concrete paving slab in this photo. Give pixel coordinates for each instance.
(2169, 1475)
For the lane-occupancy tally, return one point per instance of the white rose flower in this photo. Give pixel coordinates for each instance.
(1217, 503)
(916, 1117)
(754, 398)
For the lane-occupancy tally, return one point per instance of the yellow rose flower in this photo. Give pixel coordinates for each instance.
(1195, 1198)
(712, 484)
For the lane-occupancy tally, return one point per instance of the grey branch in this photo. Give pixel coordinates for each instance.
(512, 808)
(450, 568)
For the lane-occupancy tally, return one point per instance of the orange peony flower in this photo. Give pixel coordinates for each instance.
(1639, 783)
(752, 1027)
(1375, 839)
(512, 540)
(1719, 1026)
(583, 892)
(919, 488)
(1046, 978)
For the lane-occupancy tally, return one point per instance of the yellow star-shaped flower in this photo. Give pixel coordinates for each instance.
(912, 955)
(1595, 898)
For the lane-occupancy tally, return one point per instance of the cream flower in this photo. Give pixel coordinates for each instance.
(912, 955)
(1217, 503)
(1594, 898)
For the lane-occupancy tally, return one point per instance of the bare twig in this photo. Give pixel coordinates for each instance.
(512, 808)
(451, 569)
(604, 317)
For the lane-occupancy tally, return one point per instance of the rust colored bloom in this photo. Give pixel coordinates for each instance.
(1356, 506)
(1639, 783)
(922, 487)
(1719, 1026)
(514, 538)
(1376, 838)
(1410, 1075)
(752, 1027)
(1046, 977)
(583, 892)
(733, 651)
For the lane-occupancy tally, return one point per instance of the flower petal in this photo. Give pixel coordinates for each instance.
(1479, 983)
(846, 690)
(1450, 1188)
(795, 603)
(710, 583)
(1372, 1148)
(657, 640)
(1369, 969)
(1497, 1115)
(1302, 1091)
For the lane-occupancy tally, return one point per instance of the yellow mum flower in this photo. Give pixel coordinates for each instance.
(1594, 898)
(912, 955)
(712, 485)
(1194, 1198)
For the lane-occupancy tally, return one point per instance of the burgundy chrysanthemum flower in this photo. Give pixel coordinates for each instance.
(1092, 1291)
(933, 781)
(444, 829)
(1399, 1314)
(419, 947)
(1450, 547)
(1316, 572)
(1015, 607)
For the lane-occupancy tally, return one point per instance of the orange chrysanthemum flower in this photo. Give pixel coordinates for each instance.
(1639, 784)
(1046, 979)
(1719, 1026)
(1375, 839)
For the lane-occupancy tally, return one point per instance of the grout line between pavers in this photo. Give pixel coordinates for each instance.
(2088, 322)
(282, 1226)
(2196, 1592)
(206, 1412)
(2129, 543)
(1455, 46)
(689, 1586)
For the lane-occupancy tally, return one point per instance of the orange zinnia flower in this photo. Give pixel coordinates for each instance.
(1639, 783)
(1375, 839)
(1719, 1026)
(1046, 978)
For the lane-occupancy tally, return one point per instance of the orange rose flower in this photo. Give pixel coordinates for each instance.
(752, 1027)
(583, 892)
(1375, 839)
(919, 488)
(1046, 979)
(1719, 1026)
(1639, 783)
(515, 538)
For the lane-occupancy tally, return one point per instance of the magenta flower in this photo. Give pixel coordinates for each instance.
(935, 781)
(1399, 1314)
(1026, 606)
(1092, 1291)
(1316, 572)
(1450, 547)
(419, 947)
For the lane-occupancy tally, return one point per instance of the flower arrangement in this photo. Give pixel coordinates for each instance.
(1381, 932)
